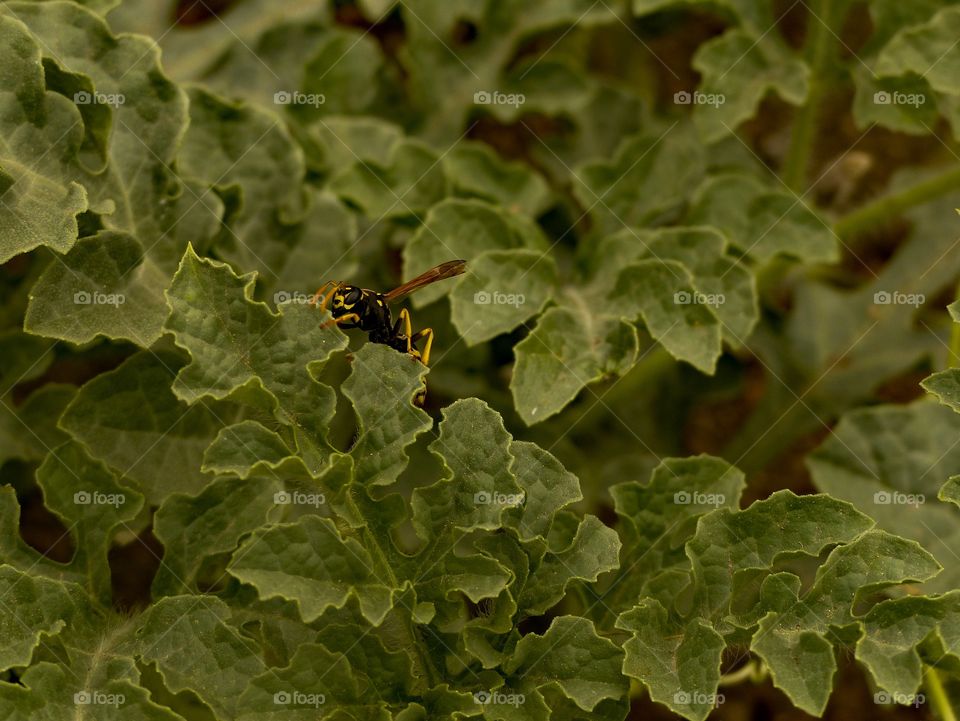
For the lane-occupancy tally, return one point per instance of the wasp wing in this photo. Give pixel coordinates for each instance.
(440, 272)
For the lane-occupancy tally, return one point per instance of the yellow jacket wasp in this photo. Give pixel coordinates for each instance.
(368, 310)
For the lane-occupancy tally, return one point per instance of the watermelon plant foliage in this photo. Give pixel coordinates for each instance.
(172, 191)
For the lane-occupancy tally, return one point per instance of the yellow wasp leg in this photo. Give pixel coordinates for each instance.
(421, 395)
(407, 328)
(428, 334)
(348, 318)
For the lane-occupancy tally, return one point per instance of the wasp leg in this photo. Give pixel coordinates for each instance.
(348, 318)
(421, 395)
(407, 328)
(428, 334)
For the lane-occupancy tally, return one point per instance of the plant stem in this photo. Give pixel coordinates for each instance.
(889, 206)
(938, 695)
(819, 50)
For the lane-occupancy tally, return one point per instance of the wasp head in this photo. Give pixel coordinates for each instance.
(345, 300)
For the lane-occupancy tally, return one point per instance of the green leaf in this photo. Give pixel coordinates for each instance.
(40, 198)
(906, 104)
(945, 385)
(739, 68)
(547, 487)
(761, 221)
(593, 551)
(130, 419)
(569, 349)
(193, 647)
(29, 431)
(239, 349)
(130, 119)
(663, 295)
(477, 487)
(33, 606)
(502, 290)
(409, 183)
(192, 528)
(380, 388)
(92, 504)
(102, 287)
(570, 654)
(240, 447)
(890, 462)
(656, 518)
(893, 647)
(191, 52)
(646, 177)
(273, 224)
(49, 691)
(679, 664)
(315, 680)
(309, 562)
(796, 644)
(342, 140)
(474, 169)
(728, 542)
(927, 50)
(456, 228)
